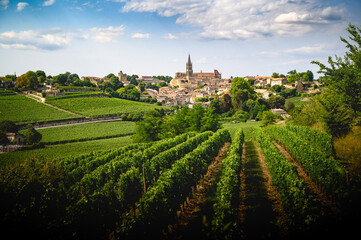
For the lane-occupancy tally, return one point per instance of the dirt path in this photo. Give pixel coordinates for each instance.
(261, 213)
(192, 217)
(325, 201)
(40, 100)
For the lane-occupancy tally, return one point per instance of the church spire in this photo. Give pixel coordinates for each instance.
(189, 69)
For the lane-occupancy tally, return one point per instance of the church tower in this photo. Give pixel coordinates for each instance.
(189, 68)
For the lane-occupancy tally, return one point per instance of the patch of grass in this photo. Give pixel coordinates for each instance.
(247, 128)
(77, 94)
(87, 131)
(301, 103)
(348, 149)
(21, 109)
(102, 106)
(55, 152)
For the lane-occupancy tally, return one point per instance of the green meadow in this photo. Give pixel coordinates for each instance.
(86, 132)
(94, 106)
(21, 109)
(55, 152)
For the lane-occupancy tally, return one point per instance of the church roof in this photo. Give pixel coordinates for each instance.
(189, 60)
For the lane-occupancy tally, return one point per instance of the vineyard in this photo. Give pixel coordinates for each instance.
(282, 181)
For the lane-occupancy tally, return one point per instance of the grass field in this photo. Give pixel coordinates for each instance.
(85, 132)
(21, 109)
(76, 95)
(93, 107)
(55, 152)
(246, 126)
(298, 101)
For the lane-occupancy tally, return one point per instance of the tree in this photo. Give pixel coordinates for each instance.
(72, 78)
(289, 106)
(32, 136)
(310, 75)
(8, 126)
(195, 117)
(275, 75)
(133, 79)
(110, 75)
(61, 79)
(268, 118)
(344, 74)
(305, 77)
(40, 73)
(41, 76)
(226, 102)
(179, 123)
(293, 77)
(241, 91)
(141, 85)
(252, 107)
(116, 84)
(148, 130)
(3, 139)
(86, 82)
(336, 116)
(278, 88)
(28, 80)
(216, 105)
(10, 77)
(292, 72)
(276, 101)
(210, 121)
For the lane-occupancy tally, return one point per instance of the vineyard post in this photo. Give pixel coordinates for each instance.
(145, 186)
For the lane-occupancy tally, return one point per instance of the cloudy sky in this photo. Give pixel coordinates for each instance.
(154, 37)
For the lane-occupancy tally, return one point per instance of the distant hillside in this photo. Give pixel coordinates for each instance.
(93, 107)
(21, 109)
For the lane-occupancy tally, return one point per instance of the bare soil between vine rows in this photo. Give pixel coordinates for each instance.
(192, 215)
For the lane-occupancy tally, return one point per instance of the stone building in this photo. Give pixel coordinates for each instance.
(263, 81)
(299, 86)
(194, 77)
(15, 138)
(122, 76)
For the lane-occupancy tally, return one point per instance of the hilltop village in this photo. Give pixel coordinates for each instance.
(188, 88)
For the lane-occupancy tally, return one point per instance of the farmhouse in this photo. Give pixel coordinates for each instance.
(263, 81)
(15, 138)
(281, 112)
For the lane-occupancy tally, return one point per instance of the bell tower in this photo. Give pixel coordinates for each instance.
(189, 68)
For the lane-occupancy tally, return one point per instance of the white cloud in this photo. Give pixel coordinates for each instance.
(171, 36)
(235, 19)
(140, 35)
(303, 50)
(18, 46)
(21, 6)
(108, 34)
(4, 4)
(314, 49)
(293, 17)
(52, 39)
(48, 3)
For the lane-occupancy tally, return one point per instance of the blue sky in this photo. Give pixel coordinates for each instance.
(153, 37)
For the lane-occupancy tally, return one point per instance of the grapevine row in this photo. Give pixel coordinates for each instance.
(224, 208)
(315, 138)
(294, 194)
(162, 200)
(324, 169)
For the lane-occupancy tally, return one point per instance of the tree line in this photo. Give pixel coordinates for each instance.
(338, 108)
(158, 125)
